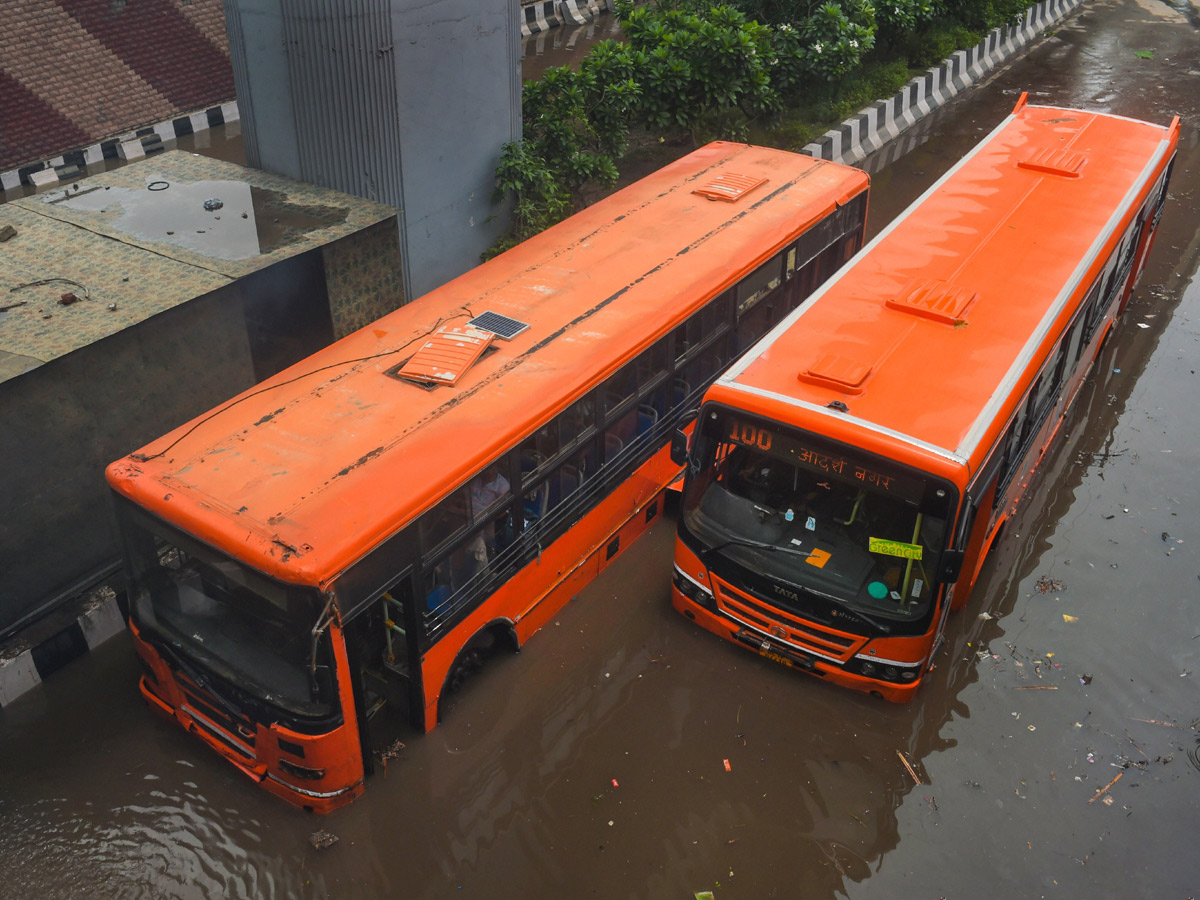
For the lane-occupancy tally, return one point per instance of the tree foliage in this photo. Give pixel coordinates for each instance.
(714, 69)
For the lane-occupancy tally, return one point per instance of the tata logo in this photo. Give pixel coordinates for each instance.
(784, 592)
(778, 631)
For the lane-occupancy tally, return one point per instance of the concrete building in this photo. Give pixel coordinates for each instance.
(403, 102)
(137, 299)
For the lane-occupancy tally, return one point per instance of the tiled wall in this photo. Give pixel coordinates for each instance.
(73, 72)
(362, 276)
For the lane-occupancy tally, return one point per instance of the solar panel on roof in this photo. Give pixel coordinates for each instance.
(502, 327)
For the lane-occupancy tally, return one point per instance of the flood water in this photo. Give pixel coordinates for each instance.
(593, 763)
(566, 45)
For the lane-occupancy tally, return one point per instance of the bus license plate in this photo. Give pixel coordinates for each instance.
(800, 663)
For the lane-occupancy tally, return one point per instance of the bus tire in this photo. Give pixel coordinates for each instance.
(475, 652)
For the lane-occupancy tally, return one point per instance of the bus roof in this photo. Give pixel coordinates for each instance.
(958, 294)
(312, 468)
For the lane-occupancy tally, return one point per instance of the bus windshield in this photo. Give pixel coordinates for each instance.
(818, 516)
(255, 632)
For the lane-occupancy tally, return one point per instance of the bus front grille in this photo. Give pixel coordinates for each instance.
(780, 625)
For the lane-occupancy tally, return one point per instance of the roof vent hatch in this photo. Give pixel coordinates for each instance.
(837, 372)
(940, 301)
(729, 186)
(445, 356)
(1050, 161)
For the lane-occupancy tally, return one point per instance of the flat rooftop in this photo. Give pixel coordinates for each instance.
(142, 239)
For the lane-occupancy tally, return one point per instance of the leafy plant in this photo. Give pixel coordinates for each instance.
(722, 71)
(540, 198)
(701, 68)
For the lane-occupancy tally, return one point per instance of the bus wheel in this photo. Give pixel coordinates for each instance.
(470, 660)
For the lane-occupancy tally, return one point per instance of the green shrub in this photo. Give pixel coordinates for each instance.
(778, 72)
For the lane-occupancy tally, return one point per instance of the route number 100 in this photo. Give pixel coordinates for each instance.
(750, 436)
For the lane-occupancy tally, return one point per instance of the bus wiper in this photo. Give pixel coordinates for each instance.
(318, 629)
(201, 680)
(878, 626)
(753, 544)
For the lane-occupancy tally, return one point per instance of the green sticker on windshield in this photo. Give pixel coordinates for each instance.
(894, 548)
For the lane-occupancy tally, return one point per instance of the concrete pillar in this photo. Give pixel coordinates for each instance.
(405, 102)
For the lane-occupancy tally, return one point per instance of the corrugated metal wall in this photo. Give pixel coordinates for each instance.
(343, 75)
(406, 102)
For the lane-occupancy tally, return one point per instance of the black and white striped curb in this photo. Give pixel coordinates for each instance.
(583, 11)
(131, 145)
(24, 668)
(538, 17)
(884, 120)
(547, 14)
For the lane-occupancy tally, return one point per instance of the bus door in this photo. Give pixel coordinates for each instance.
(384, 650)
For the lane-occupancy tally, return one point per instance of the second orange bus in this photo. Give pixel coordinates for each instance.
(847, 476)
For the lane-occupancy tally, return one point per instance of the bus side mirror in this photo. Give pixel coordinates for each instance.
(679, 447)
(952, 561)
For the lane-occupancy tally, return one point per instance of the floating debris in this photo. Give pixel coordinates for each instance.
(1045, 584)
(322, 839)
(1104, 790)
(392, 752)
(908, 766)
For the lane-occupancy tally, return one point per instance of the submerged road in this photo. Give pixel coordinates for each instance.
(592, 764)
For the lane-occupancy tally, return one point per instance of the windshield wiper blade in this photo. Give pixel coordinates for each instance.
(201, 679)
(878, 626)
(753, 544)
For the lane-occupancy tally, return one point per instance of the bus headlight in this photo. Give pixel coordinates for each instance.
(301, 771)
(698, 594)
(884, 671)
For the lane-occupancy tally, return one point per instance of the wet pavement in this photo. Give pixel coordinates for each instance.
(1055, 745)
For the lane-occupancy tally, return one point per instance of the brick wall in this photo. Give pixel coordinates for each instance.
(74, 72)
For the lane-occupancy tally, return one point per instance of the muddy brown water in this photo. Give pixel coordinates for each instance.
(565, 45)
(592, 764)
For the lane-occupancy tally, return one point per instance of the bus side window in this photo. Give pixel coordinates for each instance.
(1068, 351)
(619, 387)
(1012, 450)
(651, 364)
(620, 433)
(1092, 310)
(542, 444)
(576, 420)
(1045, 389)
(438, 586)
(1072, 347)
(491, 506)
(709, 362)
(681, 343)
(752, 289)
(445, 520)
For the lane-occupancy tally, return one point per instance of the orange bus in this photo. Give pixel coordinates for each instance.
(847, 475)
(364, 527)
